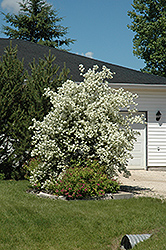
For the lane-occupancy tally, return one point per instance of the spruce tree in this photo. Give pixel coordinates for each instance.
(12, 77)
(44, 74)
(38, 22)
(21, 99)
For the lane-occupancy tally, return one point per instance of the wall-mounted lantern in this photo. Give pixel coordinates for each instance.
(158, 116)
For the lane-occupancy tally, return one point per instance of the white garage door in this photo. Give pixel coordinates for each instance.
(139, 152)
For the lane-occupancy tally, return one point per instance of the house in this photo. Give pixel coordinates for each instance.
(150, 149)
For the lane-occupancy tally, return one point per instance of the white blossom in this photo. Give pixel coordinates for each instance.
(85, 121)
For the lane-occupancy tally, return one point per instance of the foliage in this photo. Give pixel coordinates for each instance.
(43, 74)
(85, 122)
(13, 122)
(2, 176)
(21, 99)
(86, 181)
(37, 22)
(149, 26)
(30, 165)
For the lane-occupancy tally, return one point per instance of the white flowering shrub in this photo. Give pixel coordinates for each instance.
(85, 122)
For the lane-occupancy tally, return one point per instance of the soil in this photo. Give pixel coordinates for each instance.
(145, 183)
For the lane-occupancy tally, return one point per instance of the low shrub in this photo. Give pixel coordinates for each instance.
(29, 166)
(2, 176)
(84, 180)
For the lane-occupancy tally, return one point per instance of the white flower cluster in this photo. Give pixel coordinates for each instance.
(86, 121)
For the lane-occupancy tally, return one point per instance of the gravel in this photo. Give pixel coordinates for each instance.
(145, 183)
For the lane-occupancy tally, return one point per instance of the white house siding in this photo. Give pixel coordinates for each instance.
(152, 101)
(152, 98)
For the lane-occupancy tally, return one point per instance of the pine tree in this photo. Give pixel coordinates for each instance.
(12, 76)
(43, 75)
(37, 22)
(21, 99)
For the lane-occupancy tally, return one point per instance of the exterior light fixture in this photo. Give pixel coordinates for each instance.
(158, 116)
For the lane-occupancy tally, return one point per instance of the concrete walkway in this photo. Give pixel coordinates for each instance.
(145, 183)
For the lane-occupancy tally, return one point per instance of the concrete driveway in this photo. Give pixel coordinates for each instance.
(145, 183)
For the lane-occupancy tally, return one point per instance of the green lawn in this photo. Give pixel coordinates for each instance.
(30, 222)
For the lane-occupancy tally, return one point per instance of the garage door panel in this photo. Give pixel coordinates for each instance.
(135, 162)
(137, 147)
(139, 151)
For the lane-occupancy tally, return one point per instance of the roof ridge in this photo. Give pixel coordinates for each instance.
(29, 50)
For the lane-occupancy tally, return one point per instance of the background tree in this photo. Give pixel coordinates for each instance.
(37, 22)
(149, 26)
(21, 99)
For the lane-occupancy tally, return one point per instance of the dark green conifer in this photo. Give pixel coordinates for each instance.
(12, 78)
(21, 99)
(37, 22)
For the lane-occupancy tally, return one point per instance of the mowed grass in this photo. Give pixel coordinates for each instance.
(30, 222)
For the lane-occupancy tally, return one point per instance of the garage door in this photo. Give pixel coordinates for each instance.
(139, 152)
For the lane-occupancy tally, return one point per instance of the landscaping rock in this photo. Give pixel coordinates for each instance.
(122, 195)
(116, 196)
(107, 197)
(45, 195)
(62, 198)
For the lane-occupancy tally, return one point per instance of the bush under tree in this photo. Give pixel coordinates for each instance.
(85, 179)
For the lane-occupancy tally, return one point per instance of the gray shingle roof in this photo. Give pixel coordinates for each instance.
(29, 50)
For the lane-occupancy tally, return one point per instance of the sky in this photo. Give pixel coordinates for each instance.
(99, 27)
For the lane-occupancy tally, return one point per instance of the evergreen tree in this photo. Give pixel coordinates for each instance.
(12, 77)
(43, 75)
(21, 99)
(37, 22)
(149, 26)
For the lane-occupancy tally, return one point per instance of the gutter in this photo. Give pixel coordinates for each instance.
(137, 86)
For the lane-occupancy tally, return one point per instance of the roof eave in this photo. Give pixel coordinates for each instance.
(137, 85)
